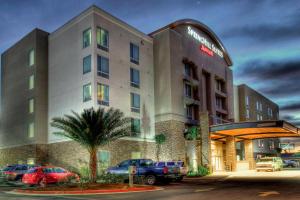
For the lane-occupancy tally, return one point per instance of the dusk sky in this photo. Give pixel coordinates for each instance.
(262, 37)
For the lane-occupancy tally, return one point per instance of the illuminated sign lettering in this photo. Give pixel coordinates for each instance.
(206, 46)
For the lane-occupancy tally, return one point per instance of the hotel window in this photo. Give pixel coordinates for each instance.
(261, 143)
(189, 111)
(87, 64)
(31, 57)
(103, 66)
(135, 127)
(31, 82)
(261, 118)
(188, 90)
(257, 105)
(271, 145)
(103, 94)
(135, 102)
(248, 113)
(31, 130)
(134, 78)
(187, 70)
(87, 92)
(87, 37)
(219, 102)
(134, 53)
(260, 107)
(247, 100)
(103, 159)
(102, 39)
(31, 105)
(257, 117)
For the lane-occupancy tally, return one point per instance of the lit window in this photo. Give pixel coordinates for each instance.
(257, 105)
(271, 145)
(248, 114)
(103, 159)
(31, 82)
(87, 92)
(103, 66)
(102, 38)
(135, 102)
(31, 130)
(134, 53)
(87, 64)
(31, 105)
(261, 143)
(260, 106)
(135, 77)
(189, 111)
(188, 90)
(30, 161)
(31, 57)
(135, 127)
(257, 117)
(103, 94)
(247, 101)
(87, 38)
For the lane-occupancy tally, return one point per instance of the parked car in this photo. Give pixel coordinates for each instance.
(16, 172)
(269, 164)
(48, 174)
(146, 168)
(290, 163)
(182, 168)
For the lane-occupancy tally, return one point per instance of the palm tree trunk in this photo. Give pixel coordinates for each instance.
(93, 165)
(157, 152)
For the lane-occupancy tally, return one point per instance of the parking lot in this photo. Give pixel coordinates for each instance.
(226, 186)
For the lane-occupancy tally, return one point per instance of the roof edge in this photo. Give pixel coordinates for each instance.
(200, 26)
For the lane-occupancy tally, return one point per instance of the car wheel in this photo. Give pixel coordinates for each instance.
(150, 180)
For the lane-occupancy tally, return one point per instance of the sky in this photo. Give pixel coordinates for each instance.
(261, 36)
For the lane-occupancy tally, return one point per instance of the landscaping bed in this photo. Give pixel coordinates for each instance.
(86, 188)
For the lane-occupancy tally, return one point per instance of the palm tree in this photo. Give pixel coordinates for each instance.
(160, 139)
(92, 129)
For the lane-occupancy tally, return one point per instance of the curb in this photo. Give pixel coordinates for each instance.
(79, 192)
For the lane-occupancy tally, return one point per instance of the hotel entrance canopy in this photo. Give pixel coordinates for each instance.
(254, 130)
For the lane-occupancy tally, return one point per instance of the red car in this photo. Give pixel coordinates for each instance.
(47, 174)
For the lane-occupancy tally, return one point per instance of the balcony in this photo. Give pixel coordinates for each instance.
(191, 80)
(193, 122)
(221, 93)
(191, 101)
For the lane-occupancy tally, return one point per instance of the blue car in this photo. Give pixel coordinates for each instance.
(147, 169)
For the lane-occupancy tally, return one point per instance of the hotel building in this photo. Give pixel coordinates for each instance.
(250, 105)
(167, 81)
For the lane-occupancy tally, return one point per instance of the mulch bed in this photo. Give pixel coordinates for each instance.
(86, 189)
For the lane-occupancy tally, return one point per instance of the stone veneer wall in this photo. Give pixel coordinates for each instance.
(14, 155)
(72, 155)
(174, 148)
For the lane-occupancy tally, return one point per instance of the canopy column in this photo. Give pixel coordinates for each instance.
(248, 144)
(230, 153)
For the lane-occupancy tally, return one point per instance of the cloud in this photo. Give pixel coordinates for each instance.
(277, 77)
(291, 107)
(266, 30)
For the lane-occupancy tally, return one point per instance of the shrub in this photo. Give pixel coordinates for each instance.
(202, 171)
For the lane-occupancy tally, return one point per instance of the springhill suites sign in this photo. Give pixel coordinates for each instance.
(206, 46)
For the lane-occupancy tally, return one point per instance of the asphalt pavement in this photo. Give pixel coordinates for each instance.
(221, 186)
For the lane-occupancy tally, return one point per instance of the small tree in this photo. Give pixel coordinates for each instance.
(92, 129)
(192, 133)
(160, 139)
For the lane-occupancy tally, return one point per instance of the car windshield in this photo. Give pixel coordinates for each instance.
(32, 170)
(53, 170)
(170, 163)
(8, 168)
(160, 164)
(146, 163)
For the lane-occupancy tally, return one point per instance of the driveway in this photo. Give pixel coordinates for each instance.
(234, 186)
